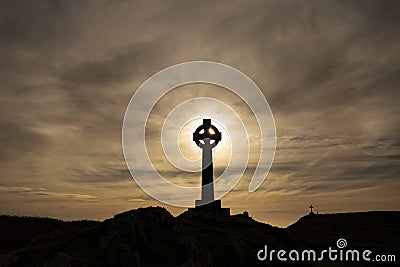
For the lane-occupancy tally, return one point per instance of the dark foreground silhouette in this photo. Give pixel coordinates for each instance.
(153, 237)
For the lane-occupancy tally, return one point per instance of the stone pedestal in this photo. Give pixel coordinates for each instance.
(214, 207)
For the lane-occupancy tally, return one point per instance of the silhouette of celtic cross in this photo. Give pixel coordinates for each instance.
(207, 136)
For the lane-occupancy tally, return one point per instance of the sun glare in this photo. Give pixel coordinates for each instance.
(190, 150)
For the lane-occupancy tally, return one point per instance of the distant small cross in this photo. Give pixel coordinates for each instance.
(311, 207)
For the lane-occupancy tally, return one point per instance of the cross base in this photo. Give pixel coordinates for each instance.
(214, 207)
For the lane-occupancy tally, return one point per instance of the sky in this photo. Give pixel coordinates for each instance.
(328, 69)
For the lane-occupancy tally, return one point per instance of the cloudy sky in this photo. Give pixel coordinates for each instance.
(329, 70)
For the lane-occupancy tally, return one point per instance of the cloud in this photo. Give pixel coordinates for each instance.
(134, 199)
(74, 197)
(15, 189)
(329, 70)
(42, 195)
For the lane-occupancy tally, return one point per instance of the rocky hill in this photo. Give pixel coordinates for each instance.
(153, 237)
